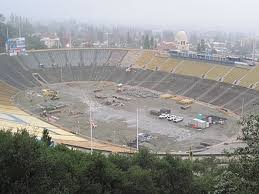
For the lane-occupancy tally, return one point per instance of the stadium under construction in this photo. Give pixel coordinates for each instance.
(115, 92)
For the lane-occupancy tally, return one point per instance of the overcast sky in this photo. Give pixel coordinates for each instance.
(241, 15)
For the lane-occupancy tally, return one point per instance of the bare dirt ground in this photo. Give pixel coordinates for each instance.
(115, 118)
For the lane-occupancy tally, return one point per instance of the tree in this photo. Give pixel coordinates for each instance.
(250, 135)
(205, 173)
(33, 42)
(2, 18)
(146, 44)
(99, 175)
(229, 183)
(199, 48)
(152, 43)
(2, 33)
(203, 46)
(144, 159)
(45, 137)
(139, 181)
(21, 164)
(243, 169)
(128, 38)
(174, 176)
(29, 166)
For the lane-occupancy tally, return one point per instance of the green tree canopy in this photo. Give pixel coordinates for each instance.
(45, 137)
(30, 166)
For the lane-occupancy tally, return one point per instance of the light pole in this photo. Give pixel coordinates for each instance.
(20, 27)
(7, 37)
(90, 121)
(243, 107)
(107, 33)
(91, 128)
(114, 136)
(61, 74)
(78, 127)
(7, 32)
(137, 129)
(70, 39)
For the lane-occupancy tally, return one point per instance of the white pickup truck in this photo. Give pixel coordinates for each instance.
(164, 116)
(175, 119)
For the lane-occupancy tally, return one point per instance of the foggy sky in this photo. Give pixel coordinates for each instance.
(240, 15)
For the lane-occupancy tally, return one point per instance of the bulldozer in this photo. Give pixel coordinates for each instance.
(51, 94)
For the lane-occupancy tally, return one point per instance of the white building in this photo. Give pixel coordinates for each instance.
(51, 42)
(181, 41)
(220, 47)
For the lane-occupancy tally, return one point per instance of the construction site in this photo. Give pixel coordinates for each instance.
(166, 104)
(113, 107)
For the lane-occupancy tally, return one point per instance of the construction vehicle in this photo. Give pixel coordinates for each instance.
(52, 94)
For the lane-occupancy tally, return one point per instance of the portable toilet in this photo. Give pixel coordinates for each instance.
(200, 116)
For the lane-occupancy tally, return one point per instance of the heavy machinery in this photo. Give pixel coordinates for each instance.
(48, 108)
(52, 94)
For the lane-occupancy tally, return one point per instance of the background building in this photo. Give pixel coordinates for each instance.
(181, 41)
(51, 42)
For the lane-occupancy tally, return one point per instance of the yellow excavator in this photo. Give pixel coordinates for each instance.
(52, 94)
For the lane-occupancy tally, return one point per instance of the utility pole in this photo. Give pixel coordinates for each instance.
(61, 74)
(254, 46)
(137, 129)
(20, 27)
(91, 128)
(59, 43)
(7, 37)
(70, 40)
(243, 106)
(7, 32)
(114, 136)
(78, 127)
(190, 153)
(108, 40)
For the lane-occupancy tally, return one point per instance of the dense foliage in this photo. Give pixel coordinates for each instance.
(31, 166)
(242, 174)
(28, 165)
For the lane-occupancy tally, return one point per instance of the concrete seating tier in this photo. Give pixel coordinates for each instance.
(156, 62)
(217, 72)
(73, 57)
(252, 77)
(43, 58)
(174, 75)
(117, 57)
(144, 59)
(131, 58)
(235, 74)
(169, 64)
(193, 68)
